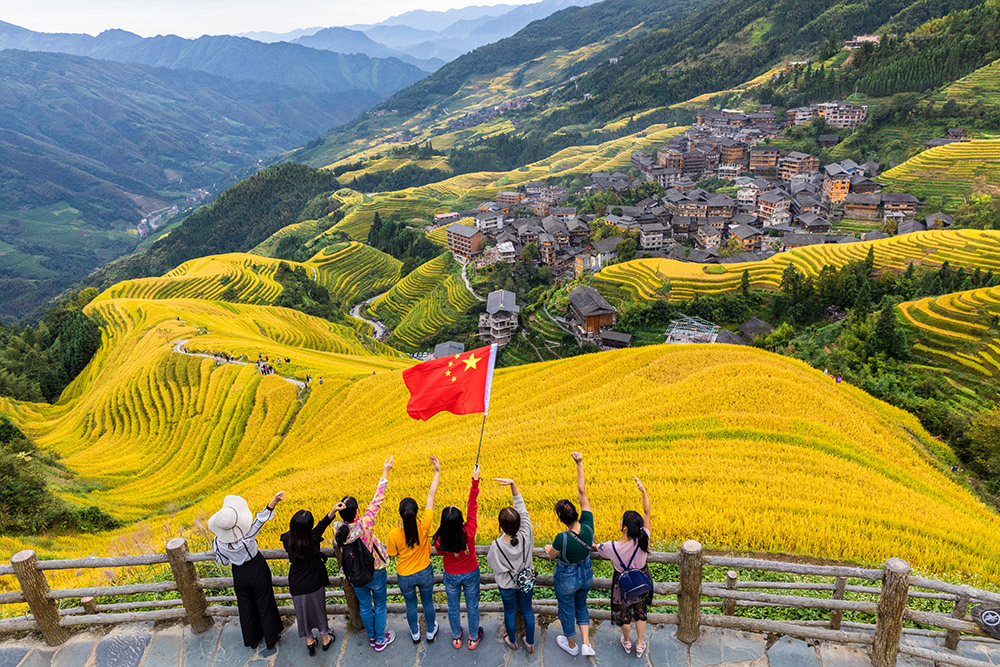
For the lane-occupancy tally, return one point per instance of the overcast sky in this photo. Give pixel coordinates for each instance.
(193, 18)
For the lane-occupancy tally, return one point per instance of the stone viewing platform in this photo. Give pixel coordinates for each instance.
(698, 618)
(140, 645)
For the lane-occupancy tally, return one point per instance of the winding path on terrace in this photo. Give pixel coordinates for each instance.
(179, 349)
(143, 645)
(381, 332)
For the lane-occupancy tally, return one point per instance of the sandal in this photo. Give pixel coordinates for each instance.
(479, 638)
(530, 647)
(639, 650)
(457, 641)
(627, 645)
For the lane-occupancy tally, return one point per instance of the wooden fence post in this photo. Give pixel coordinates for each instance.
(961, 607)
(35, 590)
(689, 597)
(891, 605)
(192, 594)
(350, 598)
(729, 606)
(837, 615)
(89, 605)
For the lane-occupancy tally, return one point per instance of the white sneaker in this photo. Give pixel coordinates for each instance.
(586, 650)
(432, 633)
(564, 645)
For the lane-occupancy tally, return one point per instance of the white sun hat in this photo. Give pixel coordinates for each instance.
(232, 522)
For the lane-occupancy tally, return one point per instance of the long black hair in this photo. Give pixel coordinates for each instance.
(408, 511)
(347, 515)
(300, 534)
(510, 523)
(632, 524)
(451, 532)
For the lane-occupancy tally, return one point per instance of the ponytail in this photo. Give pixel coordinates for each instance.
(408, 512)
(632, 524)
(347, 515)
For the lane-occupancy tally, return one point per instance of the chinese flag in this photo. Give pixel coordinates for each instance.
(459, 384)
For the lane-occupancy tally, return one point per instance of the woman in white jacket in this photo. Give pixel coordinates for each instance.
(510, 558)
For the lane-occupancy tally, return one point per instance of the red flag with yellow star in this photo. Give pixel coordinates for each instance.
(458, 383)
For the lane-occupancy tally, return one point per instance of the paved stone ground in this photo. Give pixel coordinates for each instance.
(141, 645)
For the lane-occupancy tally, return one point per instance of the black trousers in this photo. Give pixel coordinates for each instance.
(255, 600)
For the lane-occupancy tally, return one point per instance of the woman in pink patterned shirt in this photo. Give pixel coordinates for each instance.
(371, 596)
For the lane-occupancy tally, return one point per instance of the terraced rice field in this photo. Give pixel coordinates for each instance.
(955, 331)
(249, 277)
(648, 278)
(427, 300)
(982, 87)
(164, 436)
(945, 175)
(355, 271)
(350, 271)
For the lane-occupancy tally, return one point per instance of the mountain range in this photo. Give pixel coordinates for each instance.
(427, 39)
(292, 65)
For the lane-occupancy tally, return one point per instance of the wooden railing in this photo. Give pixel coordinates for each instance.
(889, 592)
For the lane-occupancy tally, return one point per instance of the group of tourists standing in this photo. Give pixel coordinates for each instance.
(364, 558)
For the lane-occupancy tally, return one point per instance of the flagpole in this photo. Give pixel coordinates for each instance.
(478, 451)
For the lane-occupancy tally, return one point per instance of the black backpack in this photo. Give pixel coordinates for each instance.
(357, 563)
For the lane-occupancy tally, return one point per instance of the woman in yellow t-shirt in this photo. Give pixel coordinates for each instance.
(411, 545)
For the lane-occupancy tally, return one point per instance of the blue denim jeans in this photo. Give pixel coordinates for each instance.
(409, 585)
(513, 599)
(572, 584)
(454, 585)
(371, 599)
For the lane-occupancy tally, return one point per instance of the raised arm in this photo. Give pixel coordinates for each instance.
(434, 482)
(581, 483)
(472, 509)
(647, 509)
(264, 515)
(506, 481)
(368, 520)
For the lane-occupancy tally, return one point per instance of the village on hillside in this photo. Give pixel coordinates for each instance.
(717, 194)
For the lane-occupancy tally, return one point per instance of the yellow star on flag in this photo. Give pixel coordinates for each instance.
(451, 363)
(471, 361)
(453, 379)
(447, 373)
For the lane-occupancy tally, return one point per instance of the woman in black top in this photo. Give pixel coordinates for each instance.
(307, 578)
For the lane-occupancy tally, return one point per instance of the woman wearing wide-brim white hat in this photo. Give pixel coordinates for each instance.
(235, 544)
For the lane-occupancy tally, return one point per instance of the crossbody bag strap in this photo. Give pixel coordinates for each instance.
(500, 549)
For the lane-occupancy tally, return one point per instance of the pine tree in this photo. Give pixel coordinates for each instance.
(870, 261)
(863, 301)
(888, 337)
(745, 282)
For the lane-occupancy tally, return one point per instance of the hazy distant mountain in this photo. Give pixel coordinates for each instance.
(345, 40)
(269, 37)
(89, 147)
(426, 39)
(293, 65)
(447, 35)
(436, 21)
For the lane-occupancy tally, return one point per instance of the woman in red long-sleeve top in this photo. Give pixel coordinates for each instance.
(455, 540)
